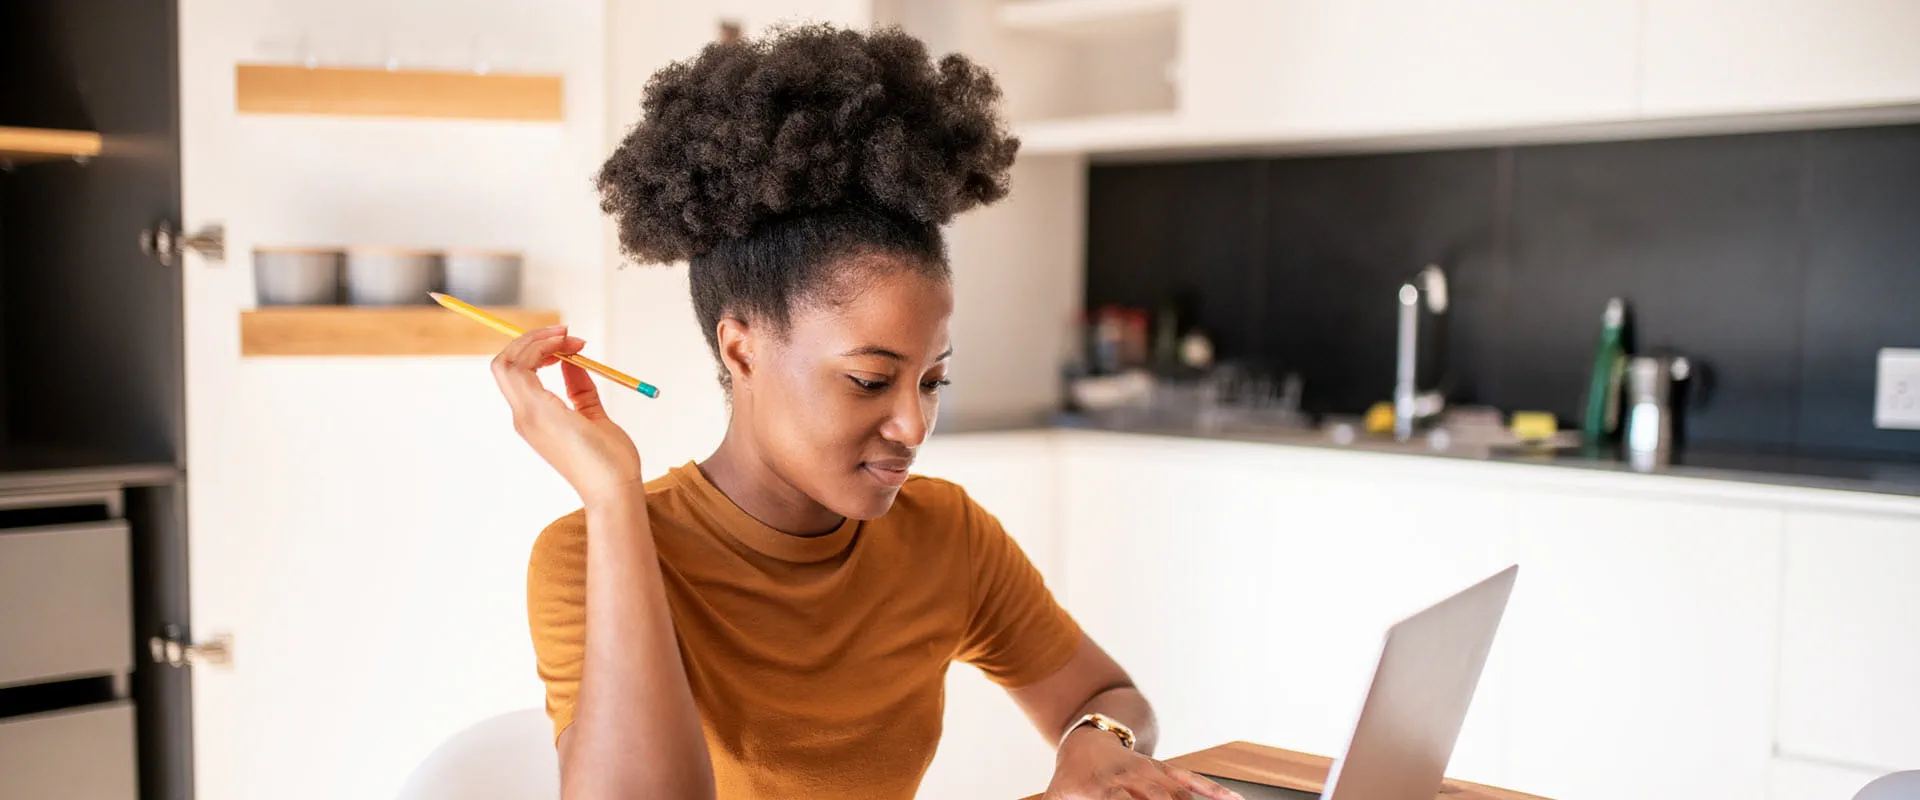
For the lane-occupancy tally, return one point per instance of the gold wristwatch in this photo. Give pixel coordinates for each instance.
(1103, 722)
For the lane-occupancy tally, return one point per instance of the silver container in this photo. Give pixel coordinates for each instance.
(391, 276)
(296, 276)
(483, 277)
(1652, 427)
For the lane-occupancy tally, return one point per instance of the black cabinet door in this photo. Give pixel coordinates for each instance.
(92, 322)
(91, 347)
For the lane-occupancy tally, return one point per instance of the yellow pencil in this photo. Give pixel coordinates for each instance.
(455, 304)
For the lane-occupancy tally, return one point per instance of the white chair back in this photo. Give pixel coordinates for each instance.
(1897, 786)
(506, 757)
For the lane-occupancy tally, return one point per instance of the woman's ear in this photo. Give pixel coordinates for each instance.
(736, 349)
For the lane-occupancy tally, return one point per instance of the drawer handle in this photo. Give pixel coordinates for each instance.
(172, 649)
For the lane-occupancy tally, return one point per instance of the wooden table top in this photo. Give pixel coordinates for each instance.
(1254, 763)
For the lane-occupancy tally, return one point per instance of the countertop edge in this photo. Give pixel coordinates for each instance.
(1721, 483)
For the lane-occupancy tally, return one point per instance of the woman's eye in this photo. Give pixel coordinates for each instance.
(866, 385)
(934, 386)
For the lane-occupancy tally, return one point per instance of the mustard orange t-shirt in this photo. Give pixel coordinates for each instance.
(818, 663)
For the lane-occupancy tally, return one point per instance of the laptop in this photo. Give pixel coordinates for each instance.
(1429, 667)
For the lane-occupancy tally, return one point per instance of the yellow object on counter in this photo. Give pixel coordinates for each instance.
(1534, 426)
(1380, 418)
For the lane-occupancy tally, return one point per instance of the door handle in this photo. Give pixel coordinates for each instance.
(166, 244)
(173, 649)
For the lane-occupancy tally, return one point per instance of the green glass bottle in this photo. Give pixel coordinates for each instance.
(1602, 419)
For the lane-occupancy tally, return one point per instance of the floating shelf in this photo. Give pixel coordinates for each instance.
(21, 145)
(1087, 18)
(1107, 133)
(339, 91)
(377, 330)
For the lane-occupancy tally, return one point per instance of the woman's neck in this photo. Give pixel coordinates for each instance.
(738, 471)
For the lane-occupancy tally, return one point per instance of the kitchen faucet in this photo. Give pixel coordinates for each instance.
(1410, 404)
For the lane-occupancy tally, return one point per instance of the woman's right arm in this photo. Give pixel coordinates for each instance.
(635, 729)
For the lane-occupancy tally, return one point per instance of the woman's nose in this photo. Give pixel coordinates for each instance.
(907, 422)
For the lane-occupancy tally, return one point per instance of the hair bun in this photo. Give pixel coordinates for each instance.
(805, 119)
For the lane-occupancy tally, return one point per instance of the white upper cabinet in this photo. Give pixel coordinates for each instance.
(1725, 56)
(1850, 640)
(1360, 67)
(1307, 75)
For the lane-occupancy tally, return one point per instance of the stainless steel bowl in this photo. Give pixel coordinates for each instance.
(391, 276)
(296, 276)
(483, 277)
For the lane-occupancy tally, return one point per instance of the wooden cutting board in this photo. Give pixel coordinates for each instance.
(1254, 763)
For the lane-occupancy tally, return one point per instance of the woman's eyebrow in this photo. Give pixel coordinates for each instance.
(876, 350)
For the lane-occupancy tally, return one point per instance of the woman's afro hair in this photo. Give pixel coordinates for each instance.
(806, 119)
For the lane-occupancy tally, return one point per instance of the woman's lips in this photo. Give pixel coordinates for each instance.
(891, 472)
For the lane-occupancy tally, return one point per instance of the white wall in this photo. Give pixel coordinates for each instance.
(361, 525)
(1017, 282)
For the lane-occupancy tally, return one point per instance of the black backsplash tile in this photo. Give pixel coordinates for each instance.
(1863, 281)
(1189, 233)
(1343, 234)
(1698, 235)
(1783, 261)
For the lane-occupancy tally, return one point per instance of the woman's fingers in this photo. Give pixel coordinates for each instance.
(516, 367)
(522, 356)
(1153, 790)
(1200, 786)
(581, 391)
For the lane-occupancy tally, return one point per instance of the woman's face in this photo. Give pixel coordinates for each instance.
(841, 403)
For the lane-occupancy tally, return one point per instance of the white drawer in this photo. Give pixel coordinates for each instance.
(75, 754)
(65, 602)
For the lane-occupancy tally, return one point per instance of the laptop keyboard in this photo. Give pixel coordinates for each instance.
(1258, 791)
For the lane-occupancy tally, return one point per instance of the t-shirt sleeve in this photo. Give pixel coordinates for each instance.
(557, 613)
(1017, 632)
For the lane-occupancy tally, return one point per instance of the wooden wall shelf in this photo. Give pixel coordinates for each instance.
(377, 331)
(339, 91)
(19, 145)
(1088, 18)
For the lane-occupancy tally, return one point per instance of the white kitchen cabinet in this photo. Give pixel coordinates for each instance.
(1247, 588)
(1349, 548)
(1850, 639)
(1730, 56)
(1793, 779)
(1127, 574)
(1644, 646)
(1363, 67)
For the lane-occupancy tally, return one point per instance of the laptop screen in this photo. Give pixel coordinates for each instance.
(1259, 791)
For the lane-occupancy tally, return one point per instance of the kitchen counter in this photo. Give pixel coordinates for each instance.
(1888, 477)
(1720, 597)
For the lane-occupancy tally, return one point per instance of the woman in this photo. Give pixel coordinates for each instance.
(777, 620)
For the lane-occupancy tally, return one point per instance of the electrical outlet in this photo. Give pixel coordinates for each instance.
(1897, 390)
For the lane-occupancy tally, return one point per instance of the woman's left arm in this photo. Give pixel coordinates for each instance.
(1091, 762)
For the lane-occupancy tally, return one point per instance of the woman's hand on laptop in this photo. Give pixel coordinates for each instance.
(1093, 765)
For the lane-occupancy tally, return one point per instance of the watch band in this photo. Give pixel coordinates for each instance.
(1103, 722)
